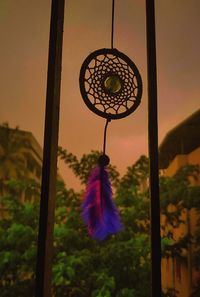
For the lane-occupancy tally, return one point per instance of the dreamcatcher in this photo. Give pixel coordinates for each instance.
(111, 87)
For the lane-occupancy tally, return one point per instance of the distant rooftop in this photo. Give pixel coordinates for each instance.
(182, 139)
(26, 135)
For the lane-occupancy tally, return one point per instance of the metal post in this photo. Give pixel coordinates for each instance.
(49, 171)
(153, 150)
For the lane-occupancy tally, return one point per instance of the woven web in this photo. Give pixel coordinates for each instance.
(107, 102)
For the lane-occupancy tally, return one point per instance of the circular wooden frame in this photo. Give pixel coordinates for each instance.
(96, 68)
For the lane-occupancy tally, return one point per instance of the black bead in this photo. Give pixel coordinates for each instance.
(104, 160)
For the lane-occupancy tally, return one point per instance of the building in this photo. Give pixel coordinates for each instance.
(181, 147)
(19, 147)
(20, 158)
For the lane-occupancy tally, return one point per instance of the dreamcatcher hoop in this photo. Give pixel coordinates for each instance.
(110, 84)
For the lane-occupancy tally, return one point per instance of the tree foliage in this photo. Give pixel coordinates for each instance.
(17, 241)
(114, 267)
(83, 267)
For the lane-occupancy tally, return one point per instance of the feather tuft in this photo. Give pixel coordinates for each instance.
(98, 210)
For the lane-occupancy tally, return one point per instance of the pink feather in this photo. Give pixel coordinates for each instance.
(98, 210)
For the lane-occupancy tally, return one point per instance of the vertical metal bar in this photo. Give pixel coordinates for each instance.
(153, 150)
(49, 171)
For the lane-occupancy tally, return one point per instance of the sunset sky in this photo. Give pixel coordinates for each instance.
(24, 35)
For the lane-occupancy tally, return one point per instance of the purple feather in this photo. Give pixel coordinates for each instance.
(98, 210)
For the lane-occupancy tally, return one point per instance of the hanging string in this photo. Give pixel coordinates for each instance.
(113, 18)
(105, 132)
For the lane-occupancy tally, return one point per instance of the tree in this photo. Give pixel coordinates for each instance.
(82, 267)
(114, 267)
(18, 233)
